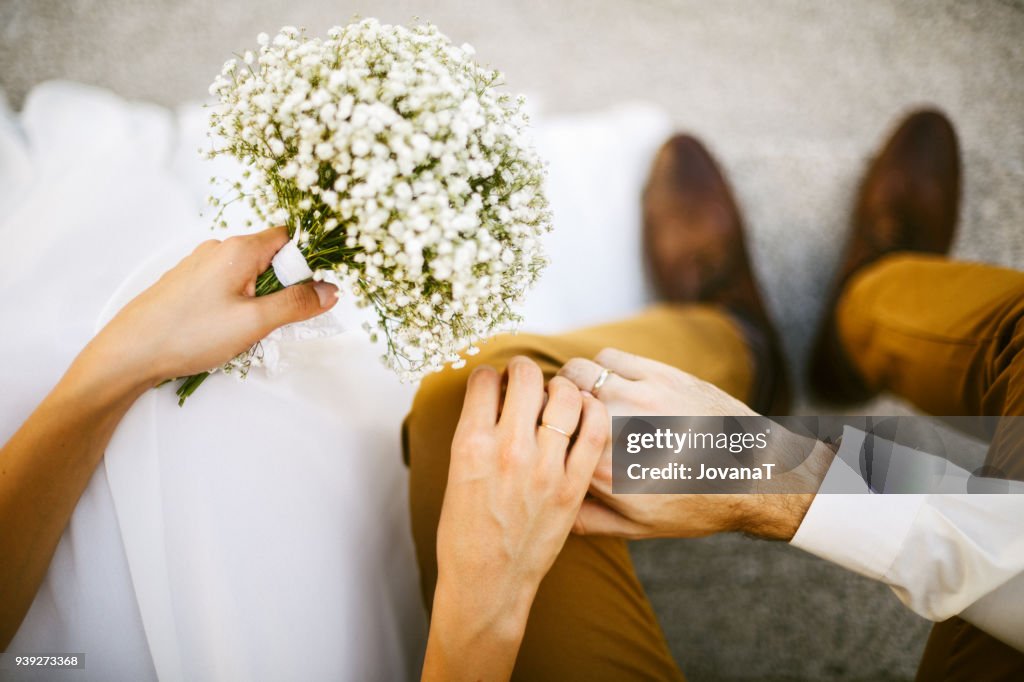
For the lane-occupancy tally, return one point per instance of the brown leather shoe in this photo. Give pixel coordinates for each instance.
(908, 201)
(693, 239)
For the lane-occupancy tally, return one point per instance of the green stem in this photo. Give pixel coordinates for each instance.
(189, 386)
(266, 283)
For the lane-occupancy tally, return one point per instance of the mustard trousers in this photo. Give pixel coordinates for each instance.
(947, 336)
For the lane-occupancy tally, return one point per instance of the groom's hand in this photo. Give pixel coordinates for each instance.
(514, 488)
(203, 312)
(642, 387)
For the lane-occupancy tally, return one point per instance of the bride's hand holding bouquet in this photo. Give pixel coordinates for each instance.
(202, 313)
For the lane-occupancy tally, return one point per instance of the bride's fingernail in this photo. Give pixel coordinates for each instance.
(327, 293)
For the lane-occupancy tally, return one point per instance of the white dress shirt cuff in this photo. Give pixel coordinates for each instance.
(849, 525)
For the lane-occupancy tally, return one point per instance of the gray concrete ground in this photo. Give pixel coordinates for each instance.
(793, 96)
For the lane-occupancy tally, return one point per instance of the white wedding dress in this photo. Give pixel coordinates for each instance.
(260, 532)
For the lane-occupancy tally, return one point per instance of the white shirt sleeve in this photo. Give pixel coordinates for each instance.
(943, 553)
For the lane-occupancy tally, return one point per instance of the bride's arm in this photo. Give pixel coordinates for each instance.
(514, 489)
(198, 315)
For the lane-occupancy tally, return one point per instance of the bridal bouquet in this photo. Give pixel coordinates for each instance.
(400, 169)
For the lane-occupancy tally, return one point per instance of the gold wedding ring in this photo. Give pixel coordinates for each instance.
(605, 373)
(557, 430)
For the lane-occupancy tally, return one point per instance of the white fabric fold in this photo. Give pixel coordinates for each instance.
(260, 532)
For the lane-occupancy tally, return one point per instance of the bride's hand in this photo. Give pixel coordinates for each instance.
(514, 488)
(203, 312)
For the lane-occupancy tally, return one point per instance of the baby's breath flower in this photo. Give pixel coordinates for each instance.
(403, 168)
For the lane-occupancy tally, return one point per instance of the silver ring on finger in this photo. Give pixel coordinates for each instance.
(603, 377)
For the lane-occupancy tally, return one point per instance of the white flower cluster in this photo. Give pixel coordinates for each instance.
(401, 167)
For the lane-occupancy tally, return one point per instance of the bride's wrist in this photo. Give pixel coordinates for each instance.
(108, 374)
